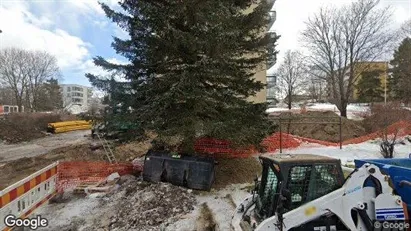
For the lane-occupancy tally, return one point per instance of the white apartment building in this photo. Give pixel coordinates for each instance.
(76, 98)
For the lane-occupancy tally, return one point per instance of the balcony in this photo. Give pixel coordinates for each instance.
(273, 18)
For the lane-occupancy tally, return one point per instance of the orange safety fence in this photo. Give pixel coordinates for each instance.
(272, 143)
(223, 148)
(71, 174)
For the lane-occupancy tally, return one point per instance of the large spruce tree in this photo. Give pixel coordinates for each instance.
(400, 83)
(191, 68)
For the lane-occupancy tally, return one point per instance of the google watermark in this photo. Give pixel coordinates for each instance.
(389, 225)
(32, 223)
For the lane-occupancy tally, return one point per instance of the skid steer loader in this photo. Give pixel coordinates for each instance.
(303, 192)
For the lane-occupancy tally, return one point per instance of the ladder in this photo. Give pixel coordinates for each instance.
(106, 146)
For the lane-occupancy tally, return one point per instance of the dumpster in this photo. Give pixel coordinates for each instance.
(185, 170)
(399, 170)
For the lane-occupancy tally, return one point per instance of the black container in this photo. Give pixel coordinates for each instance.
(184, 170)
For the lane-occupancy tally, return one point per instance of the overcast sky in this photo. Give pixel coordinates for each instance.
(291, 15)
(75, 31)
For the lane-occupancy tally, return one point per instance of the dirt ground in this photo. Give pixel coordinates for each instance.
(132, 150)
(327, 132)
(20, 160)
(236, 171)
(16, 170)
(10, 152)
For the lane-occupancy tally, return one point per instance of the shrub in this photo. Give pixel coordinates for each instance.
(382, 116)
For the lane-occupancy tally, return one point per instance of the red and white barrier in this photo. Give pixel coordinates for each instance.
(23, 197)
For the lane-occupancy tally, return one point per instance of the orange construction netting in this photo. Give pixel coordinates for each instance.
(272, 143)
(71, 174)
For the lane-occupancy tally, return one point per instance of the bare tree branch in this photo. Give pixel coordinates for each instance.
(24, 72)
(292, 75)
(340, 39)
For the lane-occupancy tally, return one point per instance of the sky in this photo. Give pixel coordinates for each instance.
(75, 31)
(291, 15)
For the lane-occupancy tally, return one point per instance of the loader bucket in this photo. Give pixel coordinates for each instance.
(185, 170)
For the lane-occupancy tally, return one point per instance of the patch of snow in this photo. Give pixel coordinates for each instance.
(220, 205)
(354, 111)
(348, 153)
(63, 214)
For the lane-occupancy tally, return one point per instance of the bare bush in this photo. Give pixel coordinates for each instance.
(388, 143)
(382, 115)
(20, 127)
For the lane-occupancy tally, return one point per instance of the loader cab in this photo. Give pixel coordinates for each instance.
(291, 180)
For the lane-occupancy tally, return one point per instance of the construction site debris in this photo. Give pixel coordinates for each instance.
(112, 177)
(139, 205)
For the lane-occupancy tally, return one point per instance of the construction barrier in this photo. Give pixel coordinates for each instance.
(23, 197)
(222, 148)
(272, 143)
(71, 174)
(68, 126)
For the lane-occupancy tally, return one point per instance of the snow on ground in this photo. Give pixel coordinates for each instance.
(348, 153)
(354, 111)
(222, 204)
(68, 214)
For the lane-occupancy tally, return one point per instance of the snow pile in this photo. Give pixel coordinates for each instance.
(367, 150)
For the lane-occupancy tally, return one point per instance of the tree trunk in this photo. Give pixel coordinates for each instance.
(187, 145)
(343, 109)
(289, 102)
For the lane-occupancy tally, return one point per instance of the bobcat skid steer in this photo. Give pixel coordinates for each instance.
(308, 192)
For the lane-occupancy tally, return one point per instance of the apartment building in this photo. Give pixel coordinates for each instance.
(261, 72)
(76, 95)
(362, 67)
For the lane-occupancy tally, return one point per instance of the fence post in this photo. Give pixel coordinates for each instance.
(340, 132)
(281, 138)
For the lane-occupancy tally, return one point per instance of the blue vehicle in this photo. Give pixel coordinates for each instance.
(399, 170)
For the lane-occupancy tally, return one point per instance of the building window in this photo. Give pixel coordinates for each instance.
(77, 89)
(77, 94)
(77, 100)
(68, 88)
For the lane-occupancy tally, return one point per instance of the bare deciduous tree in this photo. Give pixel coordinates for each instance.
(339, 39)
(291, 75)
(14, 72)
(24, 72)
(405, 29)
(43, 67)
